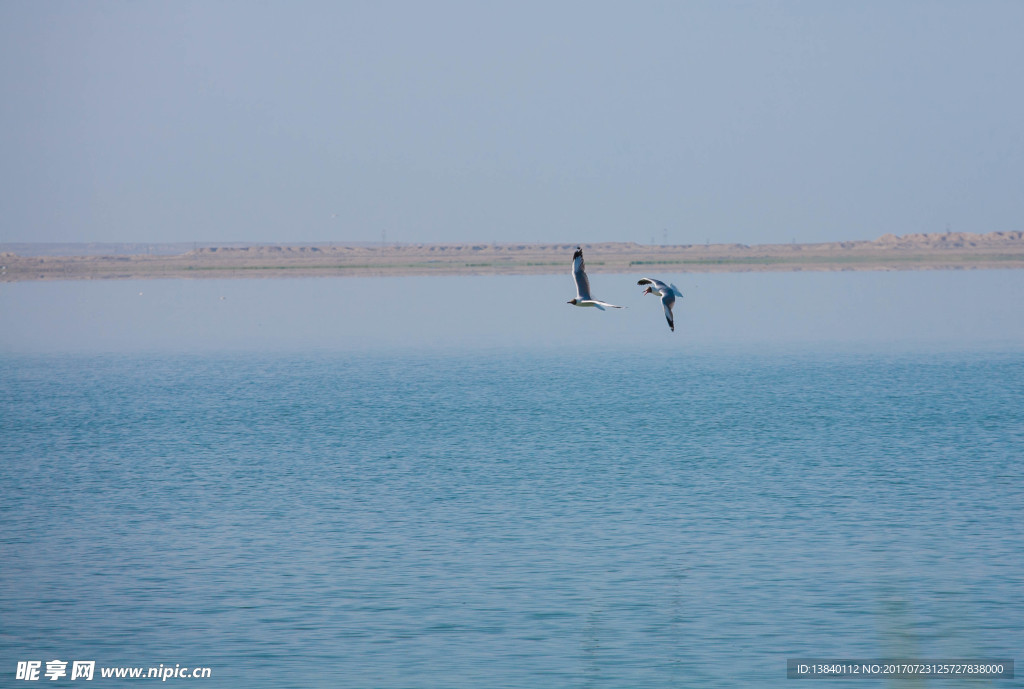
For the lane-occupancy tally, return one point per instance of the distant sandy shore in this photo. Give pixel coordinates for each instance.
(908, 252)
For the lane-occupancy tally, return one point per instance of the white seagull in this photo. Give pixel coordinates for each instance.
(579, 274)
(668, 294)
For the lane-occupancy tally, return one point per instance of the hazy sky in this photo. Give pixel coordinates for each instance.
(515, 121)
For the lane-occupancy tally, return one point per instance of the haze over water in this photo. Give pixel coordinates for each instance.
(284, 486)
(920, 310)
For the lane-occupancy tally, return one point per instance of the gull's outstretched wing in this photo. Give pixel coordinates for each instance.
(579, 274)
(656, 285)
(601, 304)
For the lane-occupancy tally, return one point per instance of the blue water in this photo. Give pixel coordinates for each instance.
(510, 519)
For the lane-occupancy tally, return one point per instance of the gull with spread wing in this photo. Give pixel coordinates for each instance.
(668, 294)
(579, 274)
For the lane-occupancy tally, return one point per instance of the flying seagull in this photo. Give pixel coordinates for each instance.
(579, 274)
(668, 294)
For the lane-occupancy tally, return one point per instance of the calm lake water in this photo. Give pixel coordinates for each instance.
(515, 516)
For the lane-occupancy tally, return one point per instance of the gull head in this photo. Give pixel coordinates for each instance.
(573, 302)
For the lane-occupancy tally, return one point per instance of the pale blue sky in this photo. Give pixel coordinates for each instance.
(527, 121)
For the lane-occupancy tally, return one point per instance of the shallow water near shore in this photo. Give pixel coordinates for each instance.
(468, 514)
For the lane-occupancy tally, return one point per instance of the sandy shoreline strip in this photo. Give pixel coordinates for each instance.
(909, 252)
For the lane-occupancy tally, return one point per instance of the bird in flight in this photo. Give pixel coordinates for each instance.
(668, 294)
(579, 274)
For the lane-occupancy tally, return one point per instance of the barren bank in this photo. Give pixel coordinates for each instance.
(909, 252)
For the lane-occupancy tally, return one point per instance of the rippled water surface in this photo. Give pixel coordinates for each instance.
(509, 519)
